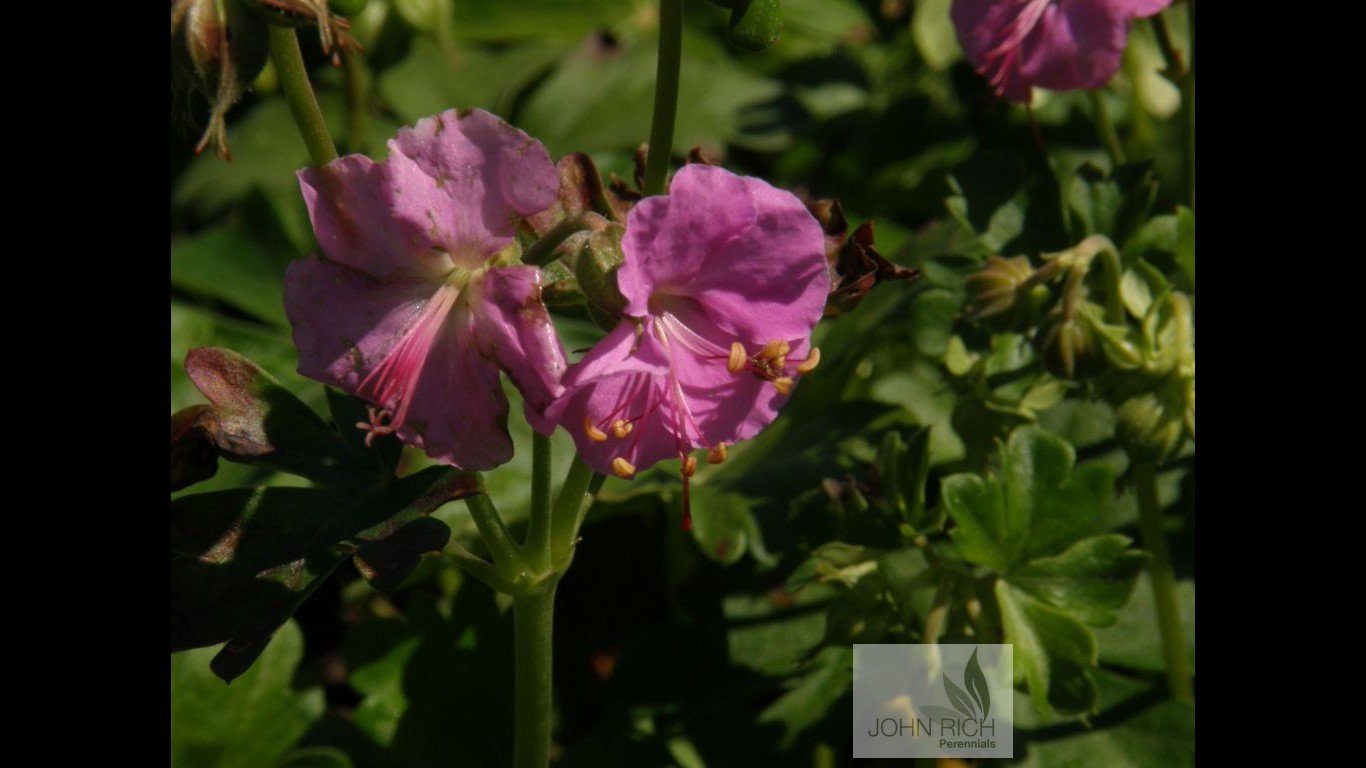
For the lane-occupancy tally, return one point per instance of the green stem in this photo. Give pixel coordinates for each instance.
(507, 556)
(1164, 581)
(537, 545)
(1175, 66)
(1188, 109)
(533, 620)
(357, 90)
(666, 95)
(567, 515)
(542, 251)
(476, 566)
(289, 64)
(1105, 128)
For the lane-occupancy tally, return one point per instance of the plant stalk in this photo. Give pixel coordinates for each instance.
(533, 618)
(1163, 580)
(289, 63)
(666, 95)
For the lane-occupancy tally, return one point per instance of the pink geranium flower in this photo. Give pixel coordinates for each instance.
(420, 302)
(724, 278)
(1055, 44)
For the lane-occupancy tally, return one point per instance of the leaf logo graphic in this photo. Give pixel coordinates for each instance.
(977, 698)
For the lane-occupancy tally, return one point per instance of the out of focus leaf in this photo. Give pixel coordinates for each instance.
(252, 722)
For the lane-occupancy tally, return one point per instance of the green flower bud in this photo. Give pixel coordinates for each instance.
(755, 24)
(1151, 426)
(596, 271)
(1067, 345)
(998, 291)
(348, 7)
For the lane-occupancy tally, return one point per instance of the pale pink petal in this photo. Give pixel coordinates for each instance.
(514, 329)
(355, 207)
(345, 321)
(470, 175)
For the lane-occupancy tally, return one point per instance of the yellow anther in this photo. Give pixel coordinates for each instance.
(736, 363)
(622, 468)
(783, 384)
(717, 454)
(775, 349)
(690, 466)
(813, 359)
(594, 434)
(621, 428)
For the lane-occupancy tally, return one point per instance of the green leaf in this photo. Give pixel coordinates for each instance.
(976, 683)
(316, 757)
(721, 524)
(1090, 579)
(228, 265)
(252, 722)
(934, 35)
(1185, 243)
(810, 700)
(1133, 640)
(599, 97)
(1036, 503)
(1114, 204)
(1053, 652)
(470, 77)
(243, 560)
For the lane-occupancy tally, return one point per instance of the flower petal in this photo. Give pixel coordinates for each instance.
(1076, 45)
(638, 397)
(457, 412)
(345, 321)
(471, 174)
(750, 255)
(360, 220)
(514, 329)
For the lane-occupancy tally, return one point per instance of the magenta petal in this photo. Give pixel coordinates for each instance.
(345, 321)
(469, 174)
(352, 202)
(514, 329)
(632, 396)
(1075, 45)
(750, 254)
(457, 412)
(1139, 9)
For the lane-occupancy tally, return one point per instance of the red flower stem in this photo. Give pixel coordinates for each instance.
(666, 95)
(289, 63)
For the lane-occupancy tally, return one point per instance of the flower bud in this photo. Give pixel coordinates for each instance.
(999, 291)
(225, 48)
(1068, 347)
(755, 24)
(1151, 426)
(596, 272)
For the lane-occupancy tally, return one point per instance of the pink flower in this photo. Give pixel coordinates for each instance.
(1055, 44)
(418, 303)
(724, 279)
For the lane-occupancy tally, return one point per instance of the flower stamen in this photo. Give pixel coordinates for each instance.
(622, 468)
(813, 359)
(717, 454)
(594, 434)
(375, 427)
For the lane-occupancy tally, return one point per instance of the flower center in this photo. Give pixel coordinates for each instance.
(392, 383)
